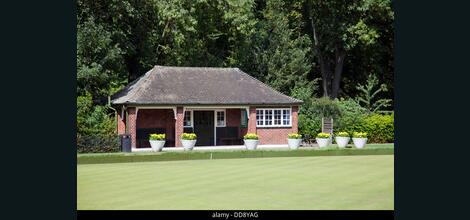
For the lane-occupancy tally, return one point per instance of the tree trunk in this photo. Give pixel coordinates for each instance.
(339, 62)
(324, 67)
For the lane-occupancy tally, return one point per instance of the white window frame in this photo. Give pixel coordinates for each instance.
(290, 115)
(191, 117)
(225, 118)
(258, 116)
(272, 118)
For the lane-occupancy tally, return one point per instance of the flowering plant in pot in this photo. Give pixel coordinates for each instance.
(359, 139)
(251, 141)
(188, 140)
(293, 140)
(342, 139)
(157, 141)
(323, 139)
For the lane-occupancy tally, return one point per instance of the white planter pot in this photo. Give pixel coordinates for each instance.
(342, 141)
(251, 144)
(323, 142)
(188, 144)
(157, 145)
(293, 143)
(359, 142)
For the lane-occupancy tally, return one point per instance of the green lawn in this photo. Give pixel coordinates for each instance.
(322, 182)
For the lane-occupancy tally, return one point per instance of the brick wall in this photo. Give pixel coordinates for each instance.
(233, 120)
(132, 125)
(274, 135)
(252, 120)
(158, 118)
(179, 126)
(121, 122)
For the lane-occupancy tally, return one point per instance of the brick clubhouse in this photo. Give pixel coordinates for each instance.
(220, 105)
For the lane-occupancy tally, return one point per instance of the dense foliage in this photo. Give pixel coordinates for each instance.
(304, 48)
(379, 128)
(97, 143)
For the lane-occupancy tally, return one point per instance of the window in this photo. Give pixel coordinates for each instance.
(243, 118)
(273, 117)
(277, 117)
(260, 117)
(220, 118)
(286, 117)
(187, 119)
(268, 117)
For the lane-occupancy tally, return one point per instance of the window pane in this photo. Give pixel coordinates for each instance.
(277, 117)
(187, 119)
(220, 118)
(259, 117)
(269, 117)
(286, 117)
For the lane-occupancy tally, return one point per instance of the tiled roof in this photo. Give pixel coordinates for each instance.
(164, 85)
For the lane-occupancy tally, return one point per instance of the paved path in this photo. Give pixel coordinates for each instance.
(214, 148)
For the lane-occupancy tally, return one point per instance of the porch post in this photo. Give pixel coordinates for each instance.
(132, 125)
(121, 121)
(295, 119)
(179, 126)
(252, 120)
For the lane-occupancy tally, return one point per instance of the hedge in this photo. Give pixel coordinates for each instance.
(379, 128)
(98, 143)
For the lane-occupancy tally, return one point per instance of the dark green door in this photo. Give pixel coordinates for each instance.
(204, 127)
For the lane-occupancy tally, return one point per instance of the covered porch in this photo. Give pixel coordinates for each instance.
(222, 126)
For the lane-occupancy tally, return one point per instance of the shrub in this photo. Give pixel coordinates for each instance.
(294, 136)
(352, 116)
(323, 135)
(251, 136)
(188, 136)
(98, 143)
(380, 128)
(94, 119)
(313, 110)
(309, 125)
(359, 135)
(325, 108)
(342, 134)
(157, 137)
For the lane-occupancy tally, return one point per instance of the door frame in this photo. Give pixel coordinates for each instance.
(215, 108)
(214, 119)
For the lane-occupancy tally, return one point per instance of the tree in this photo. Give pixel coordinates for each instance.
(282, 54)
(368, 97)
(99, 61)
(337, 27)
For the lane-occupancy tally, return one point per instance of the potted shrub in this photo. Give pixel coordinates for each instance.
(293, 140)
(157, 141)
(359, 139)
(342, 139)
(251, 141)
(188, 140)
(323, 139)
